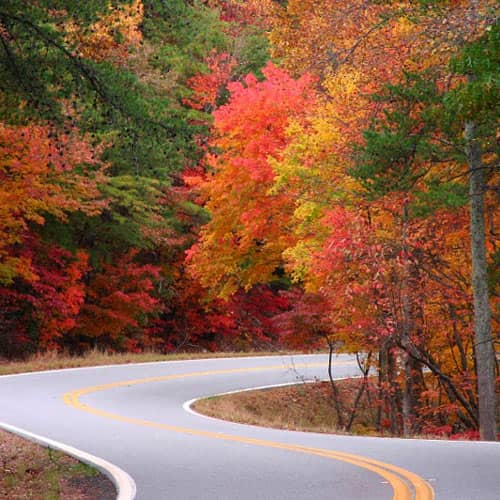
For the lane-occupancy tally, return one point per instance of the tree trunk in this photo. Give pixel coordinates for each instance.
(393, 394)
(365, 369)
(408, 397)
(382, 370)
(484, 347)
(335, 393)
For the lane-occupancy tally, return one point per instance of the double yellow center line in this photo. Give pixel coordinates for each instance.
(405, 484)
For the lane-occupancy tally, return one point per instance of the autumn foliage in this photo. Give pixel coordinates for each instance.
(229, 175)
(246, 228)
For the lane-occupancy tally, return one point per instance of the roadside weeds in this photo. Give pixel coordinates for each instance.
(29, 471)
(52, 360)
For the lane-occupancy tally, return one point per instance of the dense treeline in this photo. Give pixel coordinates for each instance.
(99, 122)
(229, 174)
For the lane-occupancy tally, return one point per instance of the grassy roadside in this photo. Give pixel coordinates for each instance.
(53, 360)
(30, 472)
(301, 407)
(307, 407)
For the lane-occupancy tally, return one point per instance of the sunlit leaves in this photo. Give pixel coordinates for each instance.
(40, 174)
(242, 244)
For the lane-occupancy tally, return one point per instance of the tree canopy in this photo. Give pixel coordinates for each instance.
(229, 174)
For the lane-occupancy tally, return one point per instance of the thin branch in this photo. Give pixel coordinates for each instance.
(84, 69)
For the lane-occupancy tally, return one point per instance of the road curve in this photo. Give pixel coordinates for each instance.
(133, 416)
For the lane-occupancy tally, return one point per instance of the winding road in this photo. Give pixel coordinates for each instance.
(136, 417)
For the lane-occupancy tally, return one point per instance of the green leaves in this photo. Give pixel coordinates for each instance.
(397, 145)
(437, 195)
(48, 73)
(478, 97)
(183, 34)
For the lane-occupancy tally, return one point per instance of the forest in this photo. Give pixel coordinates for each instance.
(230, 175)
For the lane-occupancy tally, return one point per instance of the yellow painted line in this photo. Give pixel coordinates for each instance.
(125, 383)
(400, 479)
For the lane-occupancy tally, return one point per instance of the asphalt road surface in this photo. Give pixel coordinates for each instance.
(135, 416)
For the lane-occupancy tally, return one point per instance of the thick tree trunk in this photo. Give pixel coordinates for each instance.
(484, 347)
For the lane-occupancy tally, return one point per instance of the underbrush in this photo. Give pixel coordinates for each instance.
(311, 407)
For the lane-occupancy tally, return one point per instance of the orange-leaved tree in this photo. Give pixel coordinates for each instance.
(41, 174)
(243, 242)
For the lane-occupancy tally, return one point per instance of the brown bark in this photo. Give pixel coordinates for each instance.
(365, 369)
(484, 346)
(335, 393)
(408, 397)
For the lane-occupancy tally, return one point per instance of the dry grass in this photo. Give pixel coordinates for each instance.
(53, 360)
(303, 407)
(31, 472)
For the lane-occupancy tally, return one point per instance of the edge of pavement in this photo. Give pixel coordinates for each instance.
(123, 482)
